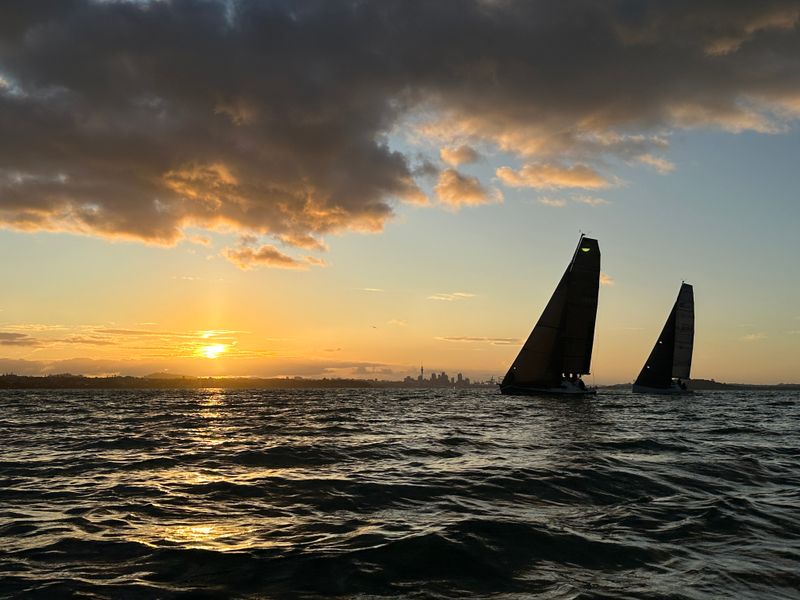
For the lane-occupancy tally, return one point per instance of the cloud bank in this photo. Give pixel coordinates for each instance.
(138, 120)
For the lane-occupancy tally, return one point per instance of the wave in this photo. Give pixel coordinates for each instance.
(402, 493)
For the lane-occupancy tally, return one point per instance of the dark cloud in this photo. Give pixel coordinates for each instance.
(139, 119)
(17, 339)
(372, 370)
(90, 340)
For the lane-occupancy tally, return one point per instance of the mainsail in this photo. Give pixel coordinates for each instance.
(672, 353)
(561, 342)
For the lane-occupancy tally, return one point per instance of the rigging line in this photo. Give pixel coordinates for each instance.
(597, 345)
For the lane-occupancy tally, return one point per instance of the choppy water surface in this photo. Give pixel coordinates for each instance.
(413, 493)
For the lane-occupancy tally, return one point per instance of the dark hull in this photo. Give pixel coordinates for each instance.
(553, 392)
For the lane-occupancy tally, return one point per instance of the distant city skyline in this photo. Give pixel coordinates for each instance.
(437, 379)
(251, 189)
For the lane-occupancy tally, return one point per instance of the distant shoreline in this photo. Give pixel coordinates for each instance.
(710, 385)
(80, 382)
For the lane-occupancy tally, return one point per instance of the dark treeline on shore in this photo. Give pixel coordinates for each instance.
(80, 382)
(710, 385)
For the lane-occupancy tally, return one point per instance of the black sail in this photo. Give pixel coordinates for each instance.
(561, 341)
(672, 354)
(534, 364)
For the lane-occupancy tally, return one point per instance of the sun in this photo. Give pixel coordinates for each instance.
(213, 351)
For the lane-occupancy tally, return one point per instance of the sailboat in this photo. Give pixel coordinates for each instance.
(672, 354)
(559, 349)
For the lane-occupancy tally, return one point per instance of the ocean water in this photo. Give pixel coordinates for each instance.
(398, 493)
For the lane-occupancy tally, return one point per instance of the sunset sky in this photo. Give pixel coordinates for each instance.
(344, 189)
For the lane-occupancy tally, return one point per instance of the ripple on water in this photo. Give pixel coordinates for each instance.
(452, 493)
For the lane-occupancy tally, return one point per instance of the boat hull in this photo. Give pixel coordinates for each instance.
(560, 392)
(670, 391)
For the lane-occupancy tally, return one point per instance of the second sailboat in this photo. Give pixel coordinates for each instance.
(672, 354)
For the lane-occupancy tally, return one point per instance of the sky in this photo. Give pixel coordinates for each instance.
(356, 189)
